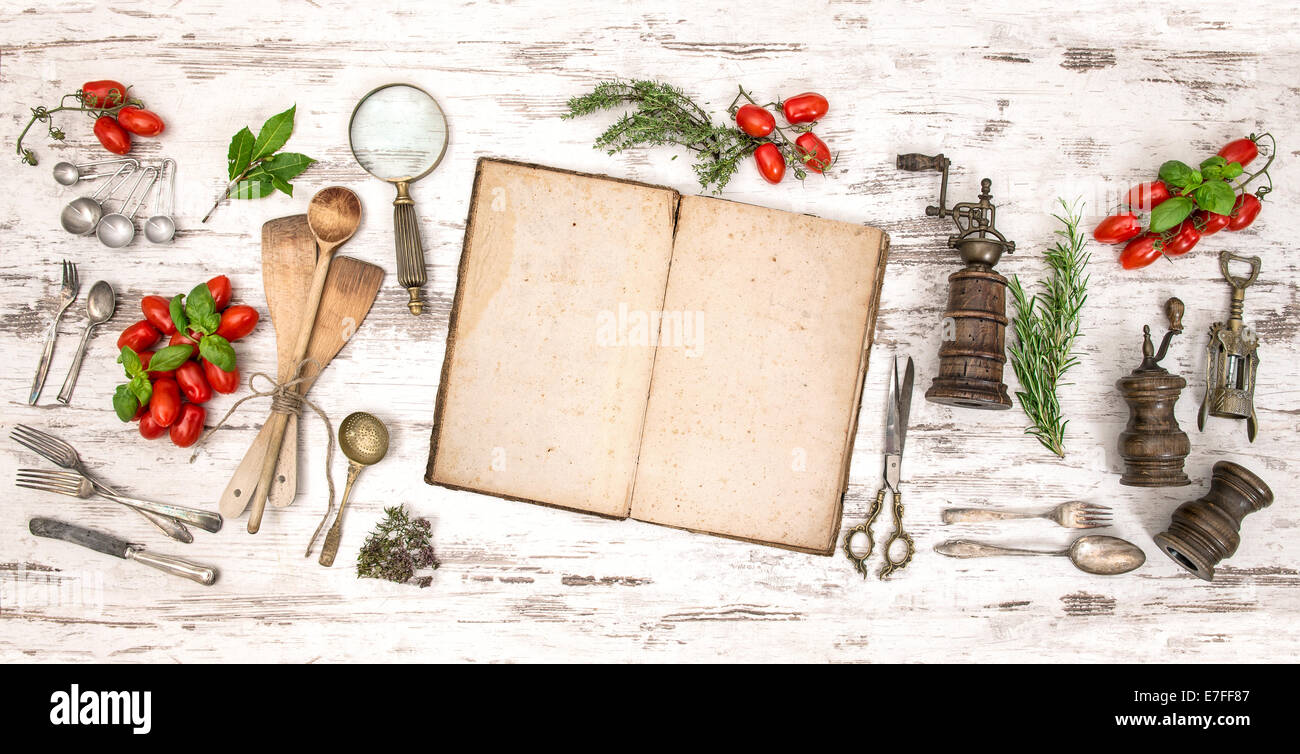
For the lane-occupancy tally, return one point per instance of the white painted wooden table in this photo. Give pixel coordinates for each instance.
(1047, 100)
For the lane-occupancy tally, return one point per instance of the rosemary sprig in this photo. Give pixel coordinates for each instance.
(1045, 327)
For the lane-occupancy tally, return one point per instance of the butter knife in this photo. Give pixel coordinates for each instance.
(110, 545)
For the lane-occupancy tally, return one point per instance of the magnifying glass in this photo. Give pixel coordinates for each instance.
(398, 134)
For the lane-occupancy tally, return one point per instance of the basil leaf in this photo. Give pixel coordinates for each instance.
(130, 360)
(240, 155)
(124, 403)
(1212, 173)
(1170, 212)
(140, 389)
(177, 310)
(211, 323)
(218, 350)
(286, 166)
(1215, 161)
(169, 358)
(251, 188)
(1232, 170)
(1176, 173)
(199, 305)
(1216, 196)
(275, 132)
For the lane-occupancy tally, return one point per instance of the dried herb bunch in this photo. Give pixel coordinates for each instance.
(1046, 325)
(397, 548)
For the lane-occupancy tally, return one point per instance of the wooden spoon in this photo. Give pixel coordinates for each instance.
(333, 215)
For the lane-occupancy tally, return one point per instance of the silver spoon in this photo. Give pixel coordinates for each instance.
(83, 213)
(363, 438)
(68, 174)
(1095, 553)
(161, 228)
(118, 229)
(100, 305)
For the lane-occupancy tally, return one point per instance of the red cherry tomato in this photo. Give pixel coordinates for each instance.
(1140, 252)
(104, 93)
(805, 108)
(221, 381)
(138, 337)
(1182, 239)
(817, 155)
(236, 322)
(187, 428)
(140, 122)
(189, 376)
(1240, 150)
(1117, 228)
(219, 287)
(771, 164)
(183, 339)
(145, 358)
(158, 311)
(114, 138)
(755, 121)
(1210, 223)
(1244, 212)
(1147, 195)
(165, 405)
(149, 429)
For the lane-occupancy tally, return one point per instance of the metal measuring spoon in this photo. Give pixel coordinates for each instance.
(100, 305)
(363, 438)
(68, 174)
(1095, 553)
(84, 213)
(118, 229)
(161, 228)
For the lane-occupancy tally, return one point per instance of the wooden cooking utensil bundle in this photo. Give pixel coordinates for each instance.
(289, 260)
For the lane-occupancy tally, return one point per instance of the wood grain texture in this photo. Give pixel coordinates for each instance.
(1043, 99)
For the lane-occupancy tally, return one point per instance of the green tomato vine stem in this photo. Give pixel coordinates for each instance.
(43, 114)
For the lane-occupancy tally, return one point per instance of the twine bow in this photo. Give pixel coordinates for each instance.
(285, 399)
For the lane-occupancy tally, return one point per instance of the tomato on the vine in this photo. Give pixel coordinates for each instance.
(805, 108)
(755, 121)
(1210, 223)
(1240, 150)
(236, 322)
(1244, 212)
(188, 426)
(1147, 195)
(1181, 239)
(814, 152)
(138, 337)
(221, 291)
(1117, 228)
(165, 405)
(140, 122)
(190, 379)
(104, 93)
(770, 161)
(221, 381)
(112, 135)
(1140, 252)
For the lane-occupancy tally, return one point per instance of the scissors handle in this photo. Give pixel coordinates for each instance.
(892, 565)
(860, 561)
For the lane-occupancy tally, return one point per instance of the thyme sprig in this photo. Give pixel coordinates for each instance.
(1045, 326)
(397, 548)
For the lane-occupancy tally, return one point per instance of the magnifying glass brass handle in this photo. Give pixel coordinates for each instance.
(410, 252)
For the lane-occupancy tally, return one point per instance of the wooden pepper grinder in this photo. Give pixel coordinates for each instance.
(1153, 446)
(973, 351)
(1205, 531)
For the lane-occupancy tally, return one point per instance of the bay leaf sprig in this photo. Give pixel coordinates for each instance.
(256, 166)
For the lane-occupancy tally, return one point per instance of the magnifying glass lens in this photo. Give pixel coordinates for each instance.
(398, 133)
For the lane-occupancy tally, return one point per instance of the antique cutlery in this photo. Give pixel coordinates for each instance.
(74, 484)
(363, 438)
(898, 408)
(120, 548)
(1074, 515)
(1094, 553)
(67, 295)
(60, 453)
(101, 302)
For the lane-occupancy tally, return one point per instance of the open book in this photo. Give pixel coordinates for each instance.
(620, 349)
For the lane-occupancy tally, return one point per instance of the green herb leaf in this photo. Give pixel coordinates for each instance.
(169, 358)
(1212, 173)
(1215, 161)
(125, 403)
(252, 189)
(283, 185)
(130, 360)
(1170, 212)
(286, 166)
(1178, 174)
(1215, 196)
(177, 309)
(275, 132)
(218, 350)
(210, 323)
(240, 155)
(1232, 170)
(141, 389)
(199, 305)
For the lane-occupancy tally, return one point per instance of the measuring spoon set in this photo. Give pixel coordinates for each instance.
(116, 229)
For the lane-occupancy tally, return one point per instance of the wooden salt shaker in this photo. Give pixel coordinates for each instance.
(1153, 446)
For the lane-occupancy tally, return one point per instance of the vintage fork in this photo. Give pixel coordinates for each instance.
(67, 294)
(74, 484)
(60, 453)
(1073, 515)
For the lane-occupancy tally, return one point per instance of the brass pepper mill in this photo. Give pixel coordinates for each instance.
(1153, 446)
(1205, 531)
(973, 351)
(1231, 358)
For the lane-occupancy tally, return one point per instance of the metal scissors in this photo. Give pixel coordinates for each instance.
(900, 404)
